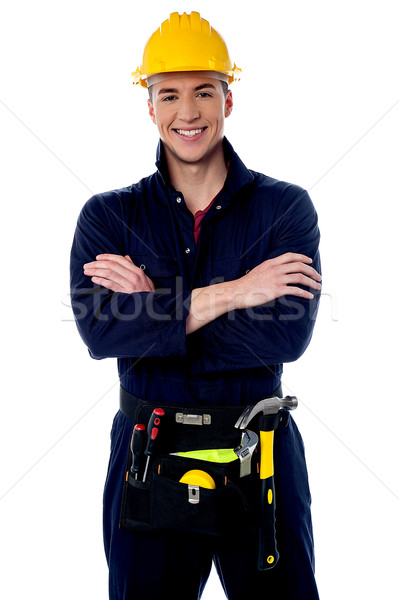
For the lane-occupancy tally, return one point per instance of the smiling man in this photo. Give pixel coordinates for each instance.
(189, 112)
(202, 280)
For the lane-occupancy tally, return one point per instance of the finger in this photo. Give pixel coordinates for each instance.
(123, 261)
(89, 265)
(106, 260)
(296, 291)
(125, 269)
(117, 276)
(126, 281)
(108, 256)
(114, 257)
(298, 267)
(103, 263)
(104, 257)
(300, 279)
(290, 257)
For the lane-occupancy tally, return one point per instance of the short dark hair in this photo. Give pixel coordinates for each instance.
(225, 87)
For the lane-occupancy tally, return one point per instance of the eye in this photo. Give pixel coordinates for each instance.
(168, 98)
(204, 95)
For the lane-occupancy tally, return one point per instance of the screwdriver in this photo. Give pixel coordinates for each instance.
(137, 447)
(153, 432)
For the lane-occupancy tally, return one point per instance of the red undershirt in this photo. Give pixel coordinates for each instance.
(200, 214)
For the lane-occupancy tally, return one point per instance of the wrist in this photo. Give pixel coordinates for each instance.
(209, 303)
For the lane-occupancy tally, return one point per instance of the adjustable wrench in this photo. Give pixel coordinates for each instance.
(249, 441)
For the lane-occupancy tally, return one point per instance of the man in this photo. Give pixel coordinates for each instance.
(201, 279)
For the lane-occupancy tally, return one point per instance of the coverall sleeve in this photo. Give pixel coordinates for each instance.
(279, 331)
(118, 324)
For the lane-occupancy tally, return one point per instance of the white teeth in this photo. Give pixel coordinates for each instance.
(190, 132)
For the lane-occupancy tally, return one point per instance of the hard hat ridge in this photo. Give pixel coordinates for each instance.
(184, 43)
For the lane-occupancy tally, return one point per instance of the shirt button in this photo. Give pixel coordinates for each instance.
(218, 207)
(188, 251)
(178, 199)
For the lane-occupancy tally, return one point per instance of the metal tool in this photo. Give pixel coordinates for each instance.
(268, 406)
(153, 432)
(249, 441)
(269, 414)
(137, 444)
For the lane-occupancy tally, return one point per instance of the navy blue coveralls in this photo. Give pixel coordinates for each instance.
(234, 360)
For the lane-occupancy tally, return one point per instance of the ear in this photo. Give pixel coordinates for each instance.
(228, 107)
(151, 111)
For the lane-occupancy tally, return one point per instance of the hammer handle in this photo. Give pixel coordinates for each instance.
(268, 553)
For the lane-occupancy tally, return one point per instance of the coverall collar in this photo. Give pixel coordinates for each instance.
(237, 177)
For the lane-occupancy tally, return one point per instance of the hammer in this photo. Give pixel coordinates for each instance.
(269, 409)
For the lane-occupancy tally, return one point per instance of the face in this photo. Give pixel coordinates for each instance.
(189, 113)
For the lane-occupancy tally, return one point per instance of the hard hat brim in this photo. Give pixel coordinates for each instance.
(157, 77)
(146, 80)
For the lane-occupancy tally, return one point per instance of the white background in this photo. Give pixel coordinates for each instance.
(318, 105)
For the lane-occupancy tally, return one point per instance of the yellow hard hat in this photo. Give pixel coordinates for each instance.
(185, 43)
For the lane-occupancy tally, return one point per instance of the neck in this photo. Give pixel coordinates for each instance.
(199, 182)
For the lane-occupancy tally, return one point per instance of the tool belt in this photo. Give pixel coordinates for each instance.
(162, 501)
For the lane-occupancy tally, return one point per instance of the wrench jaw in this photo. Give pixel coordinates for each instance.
(249, 441)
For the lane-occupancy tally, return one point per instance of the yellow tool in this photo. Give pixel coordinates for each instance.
(198, 478)
(222, 455)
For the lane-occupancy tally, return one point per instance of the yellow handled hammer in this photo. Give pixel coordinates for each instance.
(269, 418)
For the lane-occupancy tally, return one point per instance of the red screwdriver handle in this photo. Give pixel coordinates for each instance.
(153, 430)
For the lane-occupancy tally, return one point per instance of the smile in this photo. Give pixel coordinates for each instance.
(190, 132)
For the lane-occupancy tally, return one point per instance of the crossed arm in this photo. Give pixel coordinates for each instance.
(268, 281)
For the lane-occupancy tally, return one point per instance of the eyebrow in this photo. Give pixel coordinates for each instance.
(204, 85)
(196, 89)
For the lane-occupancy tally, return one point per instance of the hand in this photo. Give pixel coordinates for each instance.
(275, 278)
(118, 273)
(270, 280)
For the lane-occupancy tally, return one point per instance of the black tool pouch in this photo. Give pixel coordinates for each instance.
(163, 502)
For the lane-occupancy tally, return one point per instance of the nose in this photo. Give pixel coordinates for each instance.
(188, 110)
